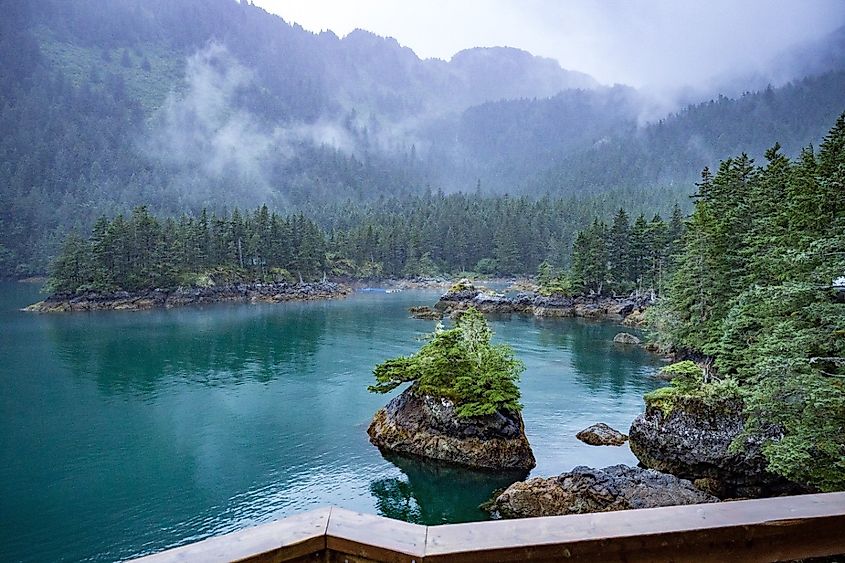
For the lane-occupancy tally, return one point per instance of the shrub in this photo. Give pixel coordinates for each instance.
(461, 365)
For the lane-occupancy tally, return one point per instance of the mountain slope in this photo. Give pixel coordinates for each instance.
(180, 104)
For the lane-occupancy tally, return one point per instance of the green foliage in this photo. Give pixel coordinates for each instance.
(554, 282)
(624, 257)
(461, 365)
(753, 290)
(142, 252)
(688, 390)
(486, 266)
(686, 370)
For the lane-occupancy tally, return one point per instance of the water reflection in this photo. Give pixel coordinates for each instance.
(596, 361)
(435, 493)
(216, 347)
(123, 433)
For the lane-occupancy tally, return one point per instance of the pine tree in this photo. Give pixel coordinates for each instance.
(619, 250)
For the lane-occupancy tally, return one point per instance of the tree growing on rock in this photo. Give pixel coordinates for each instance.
(462, 365)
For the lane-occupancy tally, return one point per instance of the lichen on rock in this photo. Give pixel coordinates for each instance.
(601, 434)
(585, 490)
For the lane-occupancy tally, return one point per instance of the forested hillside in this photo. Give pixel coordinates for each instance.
(760, 291)
(430, 235)
(105, 106)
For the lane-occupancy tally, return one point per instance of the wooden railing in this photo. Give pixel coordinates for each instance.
(776, 529)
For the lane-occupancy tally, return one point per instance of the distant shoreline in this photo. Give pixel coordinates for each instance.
(277, 292)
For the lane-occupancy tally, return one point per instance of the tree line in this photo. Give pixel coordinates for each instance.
(622, 257)
(427, 235)
(142, 252)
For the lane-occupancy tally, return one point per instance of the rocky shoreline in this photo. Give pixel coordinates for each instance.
(697, 440)
(463, 296)
(278, 292)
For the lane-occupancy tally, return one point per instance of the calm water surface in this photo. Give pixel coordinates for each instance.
(126, 433)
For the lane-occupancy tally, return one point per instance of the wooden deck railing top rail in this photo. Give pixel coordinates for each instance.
(776, 529)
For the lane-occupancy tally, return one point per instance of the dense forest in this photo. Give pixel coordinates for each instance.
(759, 289)
(425, 236)
(107, 106)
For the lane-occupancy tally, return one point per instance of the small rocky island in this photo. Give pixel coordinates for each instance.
(255, 292)
(463, 404)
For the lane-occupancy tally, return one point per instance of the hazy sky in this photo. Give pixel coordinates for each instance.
(656, 42)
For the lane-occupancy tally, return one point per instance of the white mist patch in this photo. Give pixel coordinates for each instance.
(216, 149)
(202, 130)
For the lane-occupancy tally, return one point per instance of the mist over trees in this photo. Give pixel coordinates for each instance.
(108, 106)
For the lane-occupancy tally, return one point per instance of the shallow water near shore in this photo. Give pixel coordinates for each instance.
(124, 433)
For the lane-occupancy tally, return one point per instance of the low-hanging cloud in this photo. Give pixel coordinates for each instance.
(215, 148)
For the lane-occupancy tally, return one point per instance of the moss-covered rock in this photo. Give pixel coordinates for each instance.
(701, 435)
(422, 425)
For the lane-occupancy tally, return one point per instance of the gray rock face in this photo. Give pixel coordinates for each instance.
(626, 338)
(601, 435)
(585, 490)
(426, 426)
(693, 442)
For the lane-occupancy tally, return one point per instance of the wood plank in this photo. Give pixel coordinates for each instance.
(755, 530)
(283, 540)
(374, 537)
(807, 525)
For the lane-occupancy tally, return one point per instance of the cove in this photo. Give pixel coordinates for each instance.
(124, 433)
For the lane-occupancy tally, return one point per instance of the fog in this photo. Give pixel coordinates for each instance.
(663, 45)
(203, 134)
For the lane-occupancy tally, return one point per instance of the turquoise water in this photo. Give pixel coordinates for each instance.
(126, 433)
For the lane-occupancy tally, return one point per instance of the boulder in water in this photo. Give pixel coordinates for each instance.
(601, 435)
(425, 313)
(584, 490)
(626, 338)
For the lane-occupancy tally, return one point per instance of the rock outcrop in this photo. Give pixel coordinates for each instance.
(422, 425)
(585, 490)
(425, 313)
(626, 338)
(601, 434)
(692, 440)
(464, 295)
(183, 296)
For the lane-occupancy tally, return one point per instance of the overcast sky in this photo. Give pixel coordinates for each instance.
(657, 42)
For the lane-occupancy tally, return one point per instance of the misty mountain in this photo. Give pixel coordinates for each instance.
(180, 104)
(672, 151)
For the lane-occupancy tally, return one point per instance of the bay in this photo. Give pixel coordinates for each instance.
(126, 433)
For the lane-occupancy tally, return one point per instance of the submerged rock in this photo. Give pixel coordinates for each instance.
(585, 490)
(692, 439)
(626, 338)
(422, 425)
(425, 313)
(601, 435)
